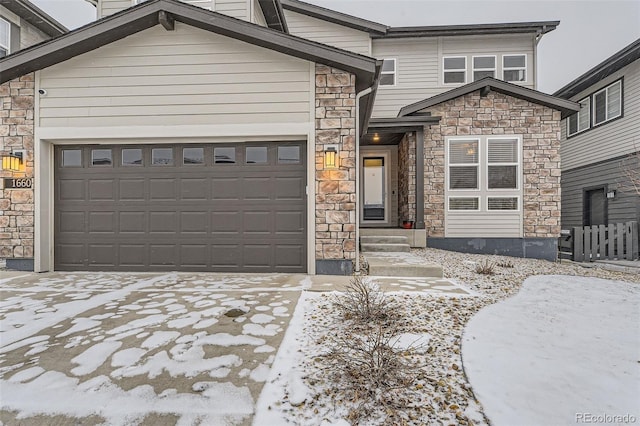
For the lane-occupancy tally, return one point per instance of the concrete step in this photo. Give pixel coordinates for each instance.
(386, 247)
(401, 264)
(383, 239)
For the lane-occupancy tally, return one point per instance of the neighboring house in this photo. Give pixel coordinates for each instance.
(263, 136)
(599, 141)
(22, 25)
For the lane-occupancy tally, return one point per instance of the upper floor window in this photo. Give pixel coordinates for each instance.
(581, 120)
(388, 74)
(484, 66)
(455, 69)
(514, 67)
(5, 37)
(607, 103)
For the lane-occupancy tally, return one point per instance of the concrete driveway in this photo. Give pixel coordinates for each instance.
(127, 348)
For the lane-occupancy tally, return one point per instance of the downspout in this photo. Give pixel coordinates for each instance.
(365, 92)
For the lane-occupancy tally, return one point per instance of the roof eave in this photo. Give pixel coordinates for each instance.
(35, 16)
(274, 15)
(146, 15)
(334, 17)
(604, 69)
(472, 29)
(564, 106)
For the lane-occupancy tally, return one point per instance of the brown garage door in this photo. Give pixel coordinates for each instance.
(222, 207)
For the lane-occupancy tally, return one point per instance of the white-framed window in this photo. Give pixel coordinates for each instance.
(580, 121)
(388, 73)
(5, 38)
(607, 103)
(464, 158)
(454, 69)
(484, 173)
(483, 66)
(514, 68)
(503, 163)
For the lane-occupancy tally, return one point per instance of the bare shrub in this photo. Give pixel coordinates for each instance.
(363, 301)
(486, 268)
(374, 374)
(505, 264)
(630, 166)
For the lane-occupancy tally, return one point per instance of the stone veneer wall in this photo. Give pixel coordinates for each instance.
(407, 177)
(16, 133)
(335, 189)
(499, 114)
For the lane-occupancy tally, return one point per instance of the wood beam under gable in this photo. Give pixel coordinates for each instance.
(485, 91)
(166, 20)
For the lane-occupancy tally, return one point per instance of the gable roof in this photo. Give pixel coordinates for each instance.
(384, 31)
(601, 71)
(490, 83)
(151, 13)
(35, 16)
(334, 17)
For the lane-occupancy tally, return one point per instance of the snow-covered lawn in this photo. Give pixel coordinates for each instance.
(562, 349)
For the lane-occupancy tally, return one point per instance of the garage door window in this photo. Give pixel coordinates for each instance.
(224, 155)
(256, 155)
(192, 156)
(101, 157)
(132, 157)
(71, 158)
(288, 154)
(162, 157)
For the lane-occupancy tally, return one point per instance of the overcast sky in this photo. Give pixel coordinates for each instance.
(589, 32)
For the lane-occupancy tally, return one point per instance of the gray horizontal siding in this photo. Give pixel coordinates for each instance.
(609, 140)
(419, 65)
(207, 79)
(484, 224)
(625, 207)
(235, 8)
(328, 33)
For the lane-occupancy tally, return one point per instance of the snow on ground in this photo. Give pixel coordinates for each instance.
(123, 348)
(564, 346)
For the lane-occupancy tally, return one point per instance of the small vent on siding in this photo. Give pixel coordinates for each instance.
(503, 203)
(466, 203)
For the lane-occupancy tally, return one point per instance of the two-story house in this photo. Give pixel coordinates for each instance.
(255, 135)
(600, 141)
(22, 24)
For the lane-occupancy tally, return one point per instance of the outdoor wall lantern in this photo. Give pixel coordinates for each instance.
(331, 157)
(611, 194)
(14, 161)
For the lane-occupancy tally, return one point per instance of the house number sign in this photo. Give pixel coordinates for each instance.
(21, 183)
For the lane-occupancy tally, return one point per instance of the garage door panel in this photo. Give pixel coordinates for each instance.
(132, 222)
(194, 189)
(71, 222)
(228, 217)
(162, 222)
(72, 255)
(226, 188)
(132, 189)
(163, 254)
(71, 189)
(289, 255)
(257, 222)
(194, 255)
(133, 255)
(257, 255)
(226, 256)
(290, 188)
(227, 223)
(102, 190)
(162, 189)
(102, 222)
(194, 222)
(103, 255)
